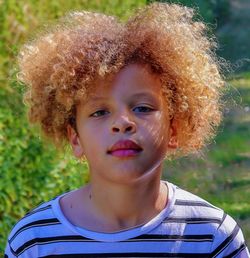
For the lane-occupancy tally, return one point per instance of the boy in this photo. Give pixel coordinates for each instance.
(125, 97)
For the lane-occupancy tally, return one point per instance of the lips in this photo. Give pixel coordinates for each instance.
(124, 145)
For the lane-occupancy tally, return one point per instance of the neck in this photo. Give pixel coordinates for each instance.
(124, 206)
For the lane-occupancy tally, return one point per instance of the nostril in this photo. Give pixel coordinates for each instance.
(116, 129)
(129, 128)
(123, 128)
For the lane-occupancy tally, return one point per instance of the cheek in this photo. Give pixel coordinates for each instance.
(94, 138)
(91, 132)
(157, 131)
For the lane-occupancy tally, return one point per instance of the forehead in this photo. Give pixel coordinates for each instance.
(134, 79)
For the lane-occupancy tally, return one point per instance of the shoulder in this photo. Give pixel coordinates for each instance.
(190, 205)
(40, 215)
(30, 227)
(202, 216)
(229, 240)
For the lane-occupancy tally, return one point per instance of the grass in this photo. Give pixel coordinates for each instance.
(222, 175)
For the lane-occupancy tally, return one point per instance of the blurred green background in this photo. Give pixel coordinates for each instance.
(31, 171)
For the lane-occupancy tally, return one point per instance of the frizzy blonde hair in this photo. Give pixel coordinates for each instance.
(61, 65)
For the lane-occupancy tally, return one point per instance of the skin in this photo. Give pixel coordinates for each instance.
(123, 192)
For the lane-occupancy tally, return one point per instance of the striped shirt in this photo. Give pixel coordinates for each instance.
(187, 227)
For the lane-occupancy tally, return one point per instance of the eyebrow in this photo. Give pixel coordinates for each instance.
(95, 98)
(144, 94)
(136, 95)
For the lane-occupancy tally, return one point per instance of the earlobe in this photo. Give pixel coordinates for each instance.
(173, 143)
(75, 142)
(173, 140)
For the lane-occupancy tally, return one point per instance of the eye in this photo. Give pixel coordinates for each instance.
(98, 113)
(144, 109)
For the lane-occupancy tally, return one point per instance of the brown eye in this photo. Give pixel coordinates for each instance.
(99, 113)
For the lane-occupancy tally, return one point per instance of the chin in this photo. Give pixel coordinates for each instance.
(126, 177)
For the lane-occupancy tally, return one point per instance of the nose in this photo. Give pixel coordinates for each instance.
(123, 124)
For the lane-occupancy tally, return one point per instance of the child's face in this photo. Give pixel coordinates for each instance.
(130, 108)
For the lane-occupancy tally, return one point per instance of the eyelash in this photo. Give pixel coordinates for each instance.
(101, 110)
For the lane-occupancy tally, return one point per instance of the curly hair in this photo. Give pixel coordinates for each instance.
(60, 66)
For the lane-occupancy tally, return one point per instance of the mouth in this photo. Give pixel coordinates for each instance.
(124, 153)
(125, 148)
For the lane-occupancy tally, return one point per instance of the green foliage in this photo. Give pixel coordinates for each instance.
(215, 12)
(30, 171)
(221, 10)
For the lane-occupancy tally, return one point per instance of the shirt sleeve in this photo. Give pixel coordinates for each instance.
(9, 252)
(229, 240)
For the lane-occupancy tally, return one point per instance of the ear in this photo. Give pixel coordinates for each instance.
(173, 140)
(75, 142)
